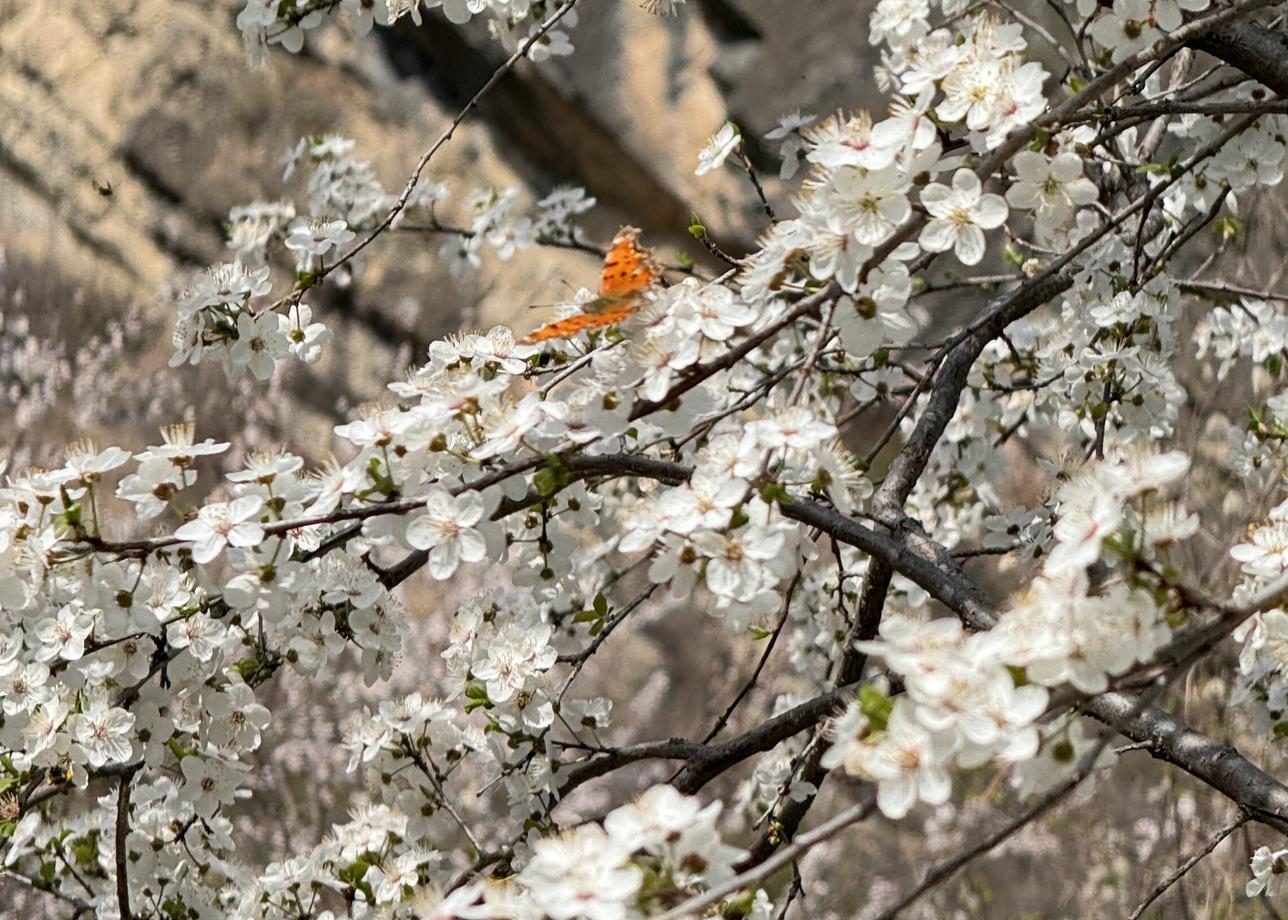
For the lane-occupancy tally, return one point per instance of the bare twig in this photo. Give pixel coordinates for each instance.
(1175, 875)
(401, 203)
(825, 831)
(755, 183)
(760, 666)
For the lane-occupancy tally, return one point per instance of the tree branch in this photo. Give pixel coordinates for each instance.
(1258, 51)
(122, 849)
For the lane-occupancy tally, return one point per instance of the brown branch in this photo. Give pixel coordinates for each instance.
(1158, 109)
(701, 372)
(122, 850)
(825, 831)
(1258, 51)
(755, 183)
(706, 761)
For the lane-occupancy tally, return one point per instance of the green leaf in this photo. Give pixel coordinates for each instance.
(353, 873)
(547, 481)
(70, 518)
(85, 850)
(179, 749)
(245, 667)
(739, 906)
(1228, 228)
(876, 706)
(773, 492)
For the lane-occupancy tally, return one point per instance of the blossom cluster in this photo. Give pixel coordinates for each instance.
(700, 457)
(266, 23)
(230, 314)
(973, 697)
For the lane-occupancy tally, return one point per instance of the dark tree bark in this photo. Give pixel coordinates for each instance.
(1259, 51)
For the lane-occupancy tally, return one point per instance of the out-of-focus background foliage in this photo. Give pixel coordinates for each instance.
(153, 101)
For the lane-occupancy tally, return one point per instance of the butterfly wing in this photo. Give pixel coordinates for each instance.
(582, 322)
(629, 271)
(628, 268)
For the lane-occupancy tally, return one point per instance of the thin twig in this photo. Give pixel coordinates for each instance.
(579, 660)
(825, 831)
(755, 182)
(1048, 801)
(1231, 290)
(1175, 875)
(401, 203)
(760, 666)
(430, 769)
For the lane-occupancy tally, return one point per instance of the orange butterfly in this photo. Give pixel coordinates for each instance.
(629, 272)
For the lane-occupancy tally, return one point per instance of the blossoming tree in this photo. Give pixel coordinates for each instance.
(699, 443)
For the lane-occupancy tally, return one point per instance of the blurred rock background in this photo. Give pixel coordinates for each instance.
(153, 100)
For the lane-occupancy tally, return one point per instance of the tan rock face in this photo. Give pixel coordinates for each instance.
(153, 100)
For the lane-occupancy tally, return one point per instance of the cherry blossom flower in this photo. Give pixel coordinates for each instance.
(89, 464)
(907, 761)
(198, 633)
(735, 566)
(228, 285)
(1127, 28)
(402, 872)
(1268, 869)
(306, 337)
(103, 732)
(315, 238)
(259, 342)
(791, 146)
(795, 428)
(717, 150)
(847, 141)
(515, 655)
(63, 636)
(582, 873)
(447, 530)
(209, 783)
(1051, 189)
(222, 524)
(868, 202)
(899, 23)
(959, 215)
